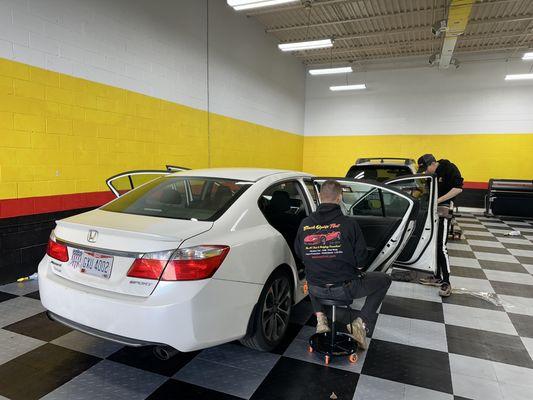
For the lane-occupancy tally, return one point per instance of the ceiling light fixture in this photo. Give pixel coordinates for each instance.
(330, 71)
(518, 77)
(249, 4)
(360, 86)
(528, 56)
(309, 45)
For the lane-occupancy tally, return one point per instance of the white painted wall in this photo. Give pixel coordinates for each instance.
(159, 48)
(472, 99)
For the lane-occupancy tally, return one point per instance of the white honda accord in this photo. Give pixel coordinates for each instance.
(197, 258)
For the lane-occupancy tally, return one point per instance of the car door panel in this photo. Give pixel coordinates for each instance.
(420, 251)
(366, 202)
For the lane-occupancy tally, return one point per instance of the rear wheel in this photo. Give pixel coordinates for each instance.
(271, 318)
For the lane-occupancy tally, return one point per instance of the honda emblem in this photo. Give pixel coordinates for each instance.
(91, 237)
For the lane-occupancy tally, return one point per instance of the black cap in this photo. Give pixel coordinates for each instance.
(425, 161)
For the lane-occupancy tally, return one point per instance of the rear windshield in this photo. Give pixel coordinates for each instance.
(378, 172)
(202, 199)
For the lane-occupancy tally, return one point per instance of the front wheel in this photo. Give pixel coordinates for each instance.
(273, 311)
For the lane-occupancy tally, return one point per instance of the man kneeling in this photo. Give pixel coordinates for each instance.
(333, 250)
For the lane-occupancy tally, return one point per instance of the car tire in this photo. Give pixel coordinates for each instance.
(270, 320)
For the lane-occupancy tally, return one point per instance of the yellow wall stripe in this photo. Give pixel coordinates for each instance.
(479, 157)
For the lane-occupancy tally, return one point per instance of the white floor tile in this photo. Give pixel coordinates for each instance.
(476, 318)
(13, 345)
(523, 253)
(413, 290)
(412, 332)
(484, 243)
(515, 392)
(472, 284)
(512, 277)
(473, 367)
(517, 305)
(458, 246)
(464, 262)
(528, 267)
(475, 388)
(495, 257)
(20, 288)
(513, 240)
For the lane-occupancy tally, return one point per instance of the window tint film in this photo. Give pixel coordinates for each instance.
(203, 199)
(418, 188)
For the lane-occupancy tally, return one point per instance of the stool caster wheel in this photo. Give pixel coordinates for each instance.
(310, 349)
(326, 360)
(353, 358)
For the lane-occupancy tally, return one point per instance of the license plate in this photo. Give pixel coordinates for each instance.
(91, 263)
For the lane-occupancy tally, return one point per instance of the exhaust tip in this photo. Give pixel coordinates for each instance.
(164, 353)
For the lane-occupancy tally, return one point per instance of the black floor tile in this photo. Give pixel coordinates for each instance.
(301, 312)
(466, 299)
(143, 358)
(292, 331)
(494, 250)
(512, 289)
(523, 324)
(518, 246)
(33, 295)
(173, 389)
(6, 296)
(461, 253)
(39, 327)
(502, 266)
(492, 346)
(524, 260)
(466, 272)
(461, 398)
(292, 379)
(42, 370)
(410, 365)
(412, 308)
(473, 236)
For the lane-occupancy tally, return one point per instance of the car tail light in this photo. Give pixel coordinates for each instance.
(191, 263)
(57, 250)
(150, 265)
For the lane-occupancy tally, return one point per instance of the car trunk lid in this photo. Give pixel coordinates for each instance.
(103, 245)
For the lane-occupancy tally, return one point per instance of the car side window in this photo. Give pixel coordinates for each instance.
(312, 190)
(286, 197)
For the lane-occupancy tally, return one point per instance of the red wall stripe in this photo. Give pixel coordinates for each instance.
(39, 205)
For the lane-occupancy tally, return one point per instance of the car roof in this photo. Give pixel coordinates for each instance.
(244, 174)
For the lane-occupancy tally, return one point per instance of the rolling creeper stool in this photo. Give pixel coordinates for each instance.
(334, 343)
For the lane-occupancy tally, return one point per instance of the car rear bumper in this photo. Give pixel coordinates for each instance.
(185, 315)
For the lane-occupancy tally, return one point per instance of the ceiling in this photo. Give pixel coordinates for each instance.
(368, 32)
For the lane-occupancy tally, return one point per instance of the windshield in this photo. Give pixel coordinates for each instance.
(193, 198)
(377, 172)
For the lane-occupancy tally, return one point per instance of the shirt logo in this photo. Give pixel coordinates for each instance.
(92, 236)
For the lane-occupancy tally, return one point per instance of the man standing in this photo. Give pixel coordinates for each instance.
(333, 249)
(450, 184)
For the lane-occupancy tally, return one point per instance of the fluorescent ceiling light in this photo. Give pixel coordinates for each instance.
(348, 87)
(518, 77)
(528, 56)
(248, 4)
(313, 44)
(329, 71)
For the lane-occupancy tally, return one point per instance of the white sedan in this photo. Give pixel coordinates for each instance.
(193, 259)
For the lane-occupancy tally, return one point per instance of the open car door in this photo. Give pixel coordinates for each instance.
(385, 214)
(124, 182)
(420, 251)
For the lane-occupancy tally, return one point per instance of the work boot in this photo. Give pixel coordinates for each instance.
(431, 281)
(322, 324)
(445, 290)
(357, 330)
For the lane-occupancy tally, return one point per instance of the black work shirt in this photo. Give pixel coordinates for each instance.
(331, 246)
(448, 177)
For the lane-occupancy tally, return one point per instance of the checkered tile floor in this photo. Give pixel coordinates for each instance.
(420, 347)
